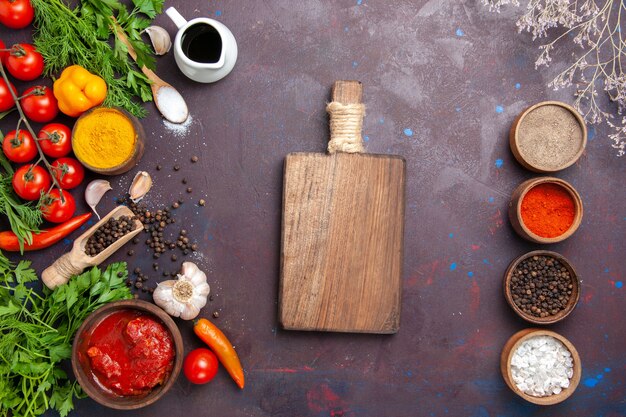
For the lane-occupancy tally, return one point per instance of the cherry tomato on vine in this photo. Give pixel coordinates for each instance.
(29, 181)
(200, 366)
(68, 172)
(3, 54)
(16, 14)
(24, 62)
(19, 146)
(40, 105)
(55, 140)
(6, 99)
(56, 208)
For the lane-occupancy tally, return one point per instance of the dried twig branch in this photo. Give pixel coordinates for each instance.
(593, 25)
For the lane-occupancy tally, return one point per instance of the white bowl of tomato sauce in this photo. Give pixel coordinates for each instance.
(127, 354)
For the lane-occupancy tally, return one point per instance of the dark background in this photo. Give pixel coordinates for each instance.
(443, 81)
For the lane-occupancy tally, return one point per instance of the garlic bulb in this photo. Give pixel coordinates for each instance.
(185, 296)
(161, 41)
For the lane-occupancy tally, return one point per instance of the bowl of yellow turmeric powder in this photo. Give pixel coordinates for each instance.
(108, 140)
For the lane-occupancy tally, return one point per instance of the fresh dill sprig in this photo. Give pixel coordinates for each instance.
(81, 36)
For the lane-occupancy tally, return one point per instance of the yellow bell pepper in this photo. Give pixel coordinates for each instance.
(78, 90)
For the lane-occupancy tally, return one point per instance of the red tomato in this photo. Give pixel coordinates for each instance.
(68, 172)
(6, 99)
(19, 147)
(56, 208)
(200, 366)
(24, 62)
(3, 54)
(29, 181)
(16, 14)
(55, 140)
(40, 105)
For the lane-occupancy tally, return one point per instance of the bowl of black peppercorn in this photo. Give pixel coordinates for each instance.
(542, 287)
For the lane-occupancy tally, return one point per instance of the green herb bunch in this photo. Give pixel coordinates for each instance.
(36, 333)
(83, 35)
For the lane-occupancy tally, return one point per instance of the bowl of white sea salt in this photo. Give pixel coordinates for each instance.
(540, 366)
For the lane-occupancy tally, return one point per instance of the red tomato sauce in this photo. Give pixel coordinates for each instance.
(130, 352)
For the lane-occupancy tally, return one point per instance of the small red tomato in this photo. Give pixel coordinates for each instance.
(57, 207)
(39, 104)
(6, 99)
(29, 181)
(16, 14)
(3, 54)
(24, 62)
(19, 147)
(68, 172)
(55, 140)
(200, 366)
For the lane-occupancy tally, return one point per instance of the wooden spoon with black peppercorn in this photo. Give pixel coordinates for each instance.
(75, 261)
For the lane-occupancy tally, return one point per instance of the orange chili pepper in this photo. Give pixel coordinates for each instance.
(222, 347)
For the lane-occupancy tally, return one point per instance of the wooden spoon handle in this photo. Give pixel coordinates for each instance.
(63, 268)
(131, 51)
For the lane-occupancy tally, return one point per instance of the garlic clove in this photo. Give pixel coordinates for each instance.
(189, 312)
(140, 186)
(200, 300)
(160, 39)
(94, 192)
(193, 273)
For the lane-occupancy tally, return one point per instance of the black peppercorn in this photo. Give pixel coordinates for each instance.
(108, 233)
(538, 286)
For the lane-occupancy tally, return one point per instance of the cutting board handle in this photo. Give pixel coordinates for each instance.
(346, 111)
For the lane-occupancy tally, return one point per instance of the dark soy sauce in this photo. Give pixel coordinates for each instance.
(202, 43)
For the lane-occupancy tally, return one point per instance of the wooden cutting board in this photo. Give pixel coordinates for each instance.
(342, 235)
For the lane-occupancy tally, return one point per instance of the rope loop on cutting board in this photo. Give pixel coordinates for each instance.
(346, 123)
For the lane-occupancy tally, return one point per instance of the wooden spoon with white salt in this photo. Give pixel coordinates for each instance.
(166, 98)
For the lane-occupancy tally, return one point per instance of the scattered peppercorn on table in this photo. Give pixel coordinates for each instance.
(443, 83)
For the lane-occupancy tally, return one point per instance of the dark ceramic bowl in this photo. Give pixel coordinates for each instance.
(82, 367)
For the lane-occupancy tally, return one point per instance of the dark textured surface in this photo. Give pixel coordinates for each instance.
(443, 81)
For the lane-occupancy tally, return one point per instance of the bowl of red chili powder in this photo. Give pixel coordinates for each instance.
(127, 354)
(545, 210)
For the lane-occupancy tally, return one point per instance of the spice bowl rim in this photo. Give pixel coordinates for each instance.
(551, 319)
(515, 209)
(511, 346)
(138, 149)
(97, 393)
(514, 137)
